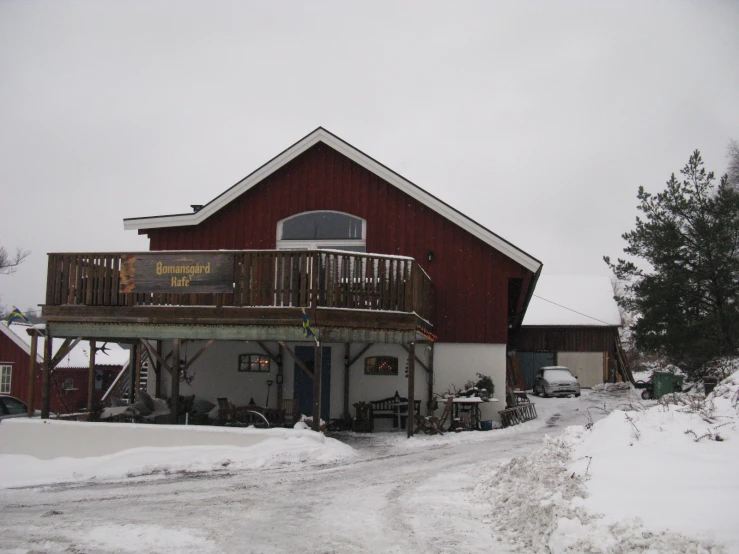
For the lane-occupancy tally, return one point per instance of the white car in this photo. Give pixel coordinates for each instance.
(556, 380)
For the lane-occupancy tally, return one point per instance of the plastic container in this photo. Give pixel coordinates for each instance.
(666, 382)
(709, 383)
(486, 425)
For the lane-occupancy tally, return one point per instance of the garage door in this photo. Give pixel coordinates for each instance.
(586, 366)
(530, 362)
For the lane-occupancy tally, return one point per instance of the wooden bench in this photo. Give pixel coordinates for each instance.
(391, 408)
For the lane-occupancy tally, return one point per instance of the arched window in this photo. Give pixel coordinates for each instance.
(322, 230)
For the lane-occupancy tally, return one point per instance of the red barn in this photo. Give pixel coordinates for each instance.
(380, 266)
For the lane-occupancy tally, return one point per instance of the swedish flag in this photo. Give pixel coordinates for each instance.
(307, 331)
(17, 315)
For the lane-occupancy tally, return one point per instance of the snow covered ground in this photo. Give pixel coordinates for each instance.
(537, 487)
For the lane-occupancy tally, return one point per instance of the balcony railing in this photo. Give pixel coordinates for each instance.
(261, 278)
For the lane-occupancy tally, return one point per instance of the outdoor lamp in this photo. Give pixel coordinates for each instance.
(430, 255)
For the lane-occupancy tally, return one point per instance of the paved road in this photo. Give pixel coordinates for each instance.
(394, 496)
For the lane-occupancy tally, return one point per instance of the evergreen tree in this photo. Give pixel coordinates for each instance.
(684, 285)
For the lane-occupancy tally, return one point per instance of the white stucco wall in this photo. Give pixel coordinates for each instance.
(216, 375)
(458, 363)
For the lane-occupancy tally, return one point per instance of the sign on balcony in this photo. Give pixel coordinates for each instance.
(180, 273)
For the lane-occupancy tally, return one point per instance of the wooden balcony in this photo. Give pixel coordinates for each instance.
(338, 290)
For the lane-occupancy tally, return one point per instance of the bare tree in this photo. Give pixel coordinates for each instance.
(732, 153)
(9, 263)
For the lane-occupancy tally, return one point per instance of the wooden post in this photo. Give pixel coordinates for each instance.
(317, 373)
(91, 378)
(411, 388)
(137, 349)
(158, 372)
(32, 371)
(174, 404)
(430, 376)
(347, 351)
(46, 378)
(280, 376)
(132, 374)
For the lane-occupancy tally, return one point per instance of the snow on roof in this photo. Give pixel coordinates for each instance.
(573, 300)
(79, 356)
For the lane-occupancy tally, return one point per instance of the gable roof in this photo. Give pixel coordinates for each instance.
(78, 357)
(576, 300)
(359, 157)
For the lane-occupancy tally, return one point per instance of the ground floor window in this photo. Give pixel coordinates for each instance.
(253, 362)
(6, 372)
(380, 365)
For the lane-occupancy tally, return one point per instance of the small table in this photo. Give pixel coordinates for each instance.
(469, 405)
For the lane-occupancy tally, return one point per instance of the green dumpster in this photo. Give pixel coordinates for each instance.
(665, 382)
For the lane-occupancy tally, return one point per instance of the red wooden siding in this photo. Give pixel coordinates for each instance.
(11, 354)
(566, 339)
(471, 277)
(61, 401)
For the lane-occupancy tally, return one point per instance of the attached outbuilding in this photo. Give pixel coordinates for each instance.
(572, 321)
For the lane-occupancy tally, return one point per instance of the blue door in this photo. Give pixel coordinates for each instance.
(530, 362)
(304, 384)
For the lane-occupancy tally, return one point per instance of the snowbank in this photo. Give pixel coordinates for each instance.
(40, 452)
(673, 466)
(658, 480)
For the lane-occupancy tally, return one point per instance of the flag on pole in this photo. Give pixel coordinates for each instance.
(307, 331)
(17, 315)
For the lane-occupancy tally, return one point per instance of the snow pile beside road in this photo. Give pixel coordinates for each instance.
(673, 465)
(612, 387)
(197, 449)
(637, 481)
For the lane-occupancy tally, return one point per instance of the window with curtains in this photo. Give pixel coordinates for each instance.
(322, 230)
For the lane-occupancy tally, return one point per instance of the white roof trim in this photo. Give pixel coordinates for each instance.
(322, 135)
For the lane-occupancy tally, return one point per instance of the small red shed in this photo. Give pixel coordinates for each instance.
(69, 377)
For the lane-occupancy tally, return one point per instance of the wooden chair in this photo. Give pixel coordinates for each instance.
(362, 423)
(432, 425)
(290, 410)
(226, 411)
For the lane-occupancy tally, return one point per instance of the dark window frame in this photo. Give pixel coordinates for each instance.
(381, 365)
(253, 363)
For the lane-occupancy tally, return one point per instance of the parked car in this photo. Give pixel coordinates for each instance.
(556, 380)
(10, 406)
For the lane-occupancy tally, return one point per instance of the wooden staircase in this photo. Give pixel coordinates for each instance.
(121, 387)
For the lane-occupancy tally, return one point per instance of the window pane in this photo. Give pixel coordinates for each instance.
(14, 406)
(254, 362)
(380, 365)
(343, 247)
(5, 379)
(322, 226)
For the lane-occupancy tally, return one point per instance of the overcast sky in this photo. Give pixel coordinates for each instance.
(539, 120)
